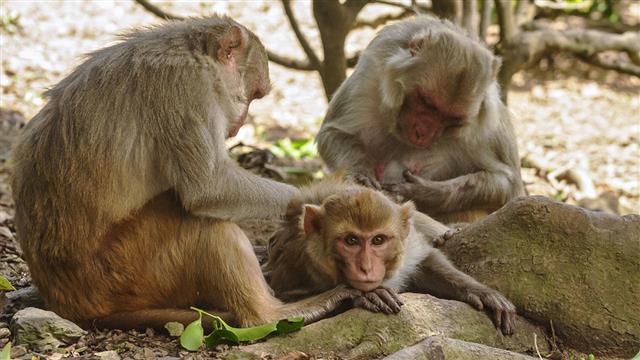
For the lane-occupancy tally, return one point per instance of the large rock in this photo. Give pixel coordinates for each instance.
(563, 265)
(362, 334)
(442, 348)
(42, 330)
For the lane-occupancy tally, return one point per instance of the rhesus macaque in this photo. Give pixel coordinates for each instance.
(421, 116)
(340, 233)
(125, 195)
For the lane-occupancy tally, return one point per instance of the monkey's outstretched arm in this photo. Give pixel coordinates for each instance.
(437, 276)
(211, 184)
(483, 189)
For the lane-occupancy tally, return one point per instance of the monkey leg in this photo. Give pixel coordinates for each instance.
(163, 260)
(437, 276)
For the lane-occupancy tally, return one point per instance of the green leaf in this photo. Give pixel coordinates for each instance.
(290, 325)
(5, 285)
(193, 336)
(591, 357)
(174, 328)
(224, 333)
(6, 352)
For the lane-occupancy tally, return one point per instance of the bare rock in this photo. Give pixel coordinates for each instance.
(43, 330)
(362, 334)
(563, 265)
(107, 355)
(443, 348)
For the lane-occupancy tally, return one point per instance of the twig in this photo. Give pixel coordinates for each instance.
(313, 58)
(393, 3)
(296, 64)
(381, 20)
(535, 343)
(157, 11)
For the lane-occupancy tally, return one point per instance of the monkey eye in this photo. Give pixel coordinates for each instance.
(428, 105)
(455, 121)
(351, 240)
(378, 239)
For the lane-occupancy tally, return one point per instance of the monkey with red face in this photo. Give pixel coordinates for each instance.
(340, 233)
(421, 116)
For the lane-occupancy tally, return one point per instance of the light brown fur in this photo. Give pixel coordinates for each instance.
(301, 263)
(125, 195)
(461, 162)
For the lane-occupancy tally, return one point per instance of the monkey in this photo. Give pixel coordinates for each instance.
(126, 199)
(422, 118)
(337, 232)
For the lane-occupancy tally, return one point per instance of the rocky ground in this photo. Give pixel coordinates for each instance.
(567, 115)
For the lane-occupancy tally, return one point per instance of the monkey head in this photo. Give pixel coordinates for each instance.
(361, 232)
(244, 70)
(435, 83)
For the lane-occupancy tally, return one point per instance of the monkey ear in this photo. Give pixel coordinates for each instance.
(417, 42)
(311, 219)
(406, 212)
(229, 44)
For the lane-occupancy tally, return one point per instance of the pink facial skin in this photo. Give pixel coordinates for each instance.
(365, 260)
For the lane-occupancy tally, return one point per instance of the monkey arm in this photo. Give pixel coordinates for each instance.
(209, 183)
(230, 192)
(436, 275)
(482, 189)
(343, 151)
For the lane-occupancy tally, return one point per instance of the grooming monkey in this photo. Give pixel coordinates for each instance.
(126, 197)
(340, 233)
(421, 116)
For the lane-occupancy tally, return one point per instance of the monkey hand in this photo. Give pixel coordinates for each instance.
(442, 238)
(363, 179)
(382, 299)
(419, 189)
(504, 312)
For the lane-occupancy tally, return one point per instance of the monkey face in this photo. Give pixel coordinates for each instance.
(364, 257)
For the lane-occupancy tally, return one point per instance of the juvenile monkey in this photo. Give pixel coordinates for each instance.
(421, 116)
(340, 233)
(125, 195)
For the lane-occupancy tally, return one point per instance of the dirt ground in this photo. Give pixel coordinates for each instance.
(570, 115)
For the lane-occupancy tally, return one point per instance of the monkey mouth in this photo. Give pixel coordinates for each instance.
(365, 285)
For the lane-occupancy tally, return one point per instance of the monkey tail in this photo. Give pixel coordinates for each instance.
(151, 318)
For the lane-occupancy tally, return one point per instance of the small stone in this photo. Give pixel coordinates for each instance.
(107, 355)
(44, 330)
(18, 351)
(4, 333)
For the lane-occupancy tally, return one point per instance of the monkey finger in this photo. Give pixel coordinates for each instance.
(375, 299)
(364, 303)
(497, 317)
(412, 178)
(390, 298)
(507, 324)
(475, 301)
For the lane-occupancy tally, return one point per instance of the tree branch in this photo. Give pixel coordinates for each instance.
(313, 58)
(506, 21)
(485, 19)
(618, 65)
(529, 46)
(157, 11)
(382, 19)
(289, 62)
(470, 16)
